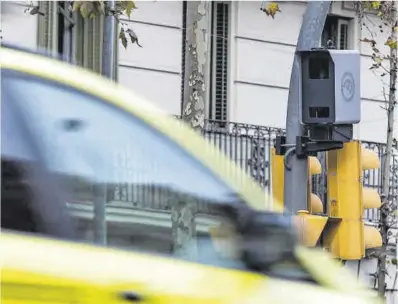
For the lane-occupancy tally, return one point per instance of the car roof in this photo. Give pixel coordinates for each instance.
(84, 80)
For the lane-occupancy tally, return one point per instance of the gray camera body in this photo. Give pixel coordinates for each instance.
(329, 87)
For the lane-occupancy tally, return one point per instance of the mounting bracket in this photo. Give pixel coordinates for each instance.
(305, 147)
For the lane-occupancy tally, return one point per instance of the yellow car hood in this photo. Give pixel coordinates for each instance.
(96, 273)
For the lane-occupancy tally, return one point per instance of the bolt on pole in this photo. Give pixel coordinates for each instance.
(295, 181)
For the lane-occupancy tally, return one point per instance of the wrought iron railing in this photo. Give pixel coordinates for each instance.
(249, 146)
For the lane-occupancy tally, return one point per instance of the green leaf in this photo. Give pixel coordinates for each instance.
(391, 43)
(86, 9)
(130, 5)
(76, 6)
(376, 4)
(271, 9)
(99, 7)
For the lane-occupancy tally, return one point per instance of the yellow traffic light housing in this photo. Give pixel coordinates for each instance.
(314, 202)
(277, 180)
(277, 176)
(371, 199)
(308, 226)
(346, 237)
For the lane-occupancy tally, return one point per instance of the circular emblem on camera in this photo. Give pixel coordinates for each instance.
(347, 86)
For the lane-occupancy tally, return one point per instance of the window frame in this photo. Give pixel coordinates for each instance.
(214, 66)
(338, 20)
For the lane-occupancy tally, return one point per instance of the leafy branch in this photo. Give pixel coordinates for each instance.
(384, 10)
(91, 9)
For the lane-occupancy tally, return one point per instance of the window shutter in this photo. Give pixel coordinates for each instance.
(183, 44)
(219, 98)
(343, 36)
(48, 25)
(78, 39)
(88, 37)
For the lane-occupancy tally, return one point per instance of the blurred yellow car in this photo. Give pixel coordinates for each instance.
(71, 141)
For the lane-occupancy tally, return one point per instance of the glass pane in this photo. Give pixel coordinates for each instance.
(109, 157)
(17, 197)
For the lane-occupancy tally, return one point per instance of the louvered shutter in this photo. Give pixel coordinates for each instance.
(88, 35)
(48, 26)
(183, 50)
(220, 46)
(342, 35)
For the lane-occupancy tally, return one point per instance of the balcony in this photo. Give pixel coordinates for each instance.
(249, 146)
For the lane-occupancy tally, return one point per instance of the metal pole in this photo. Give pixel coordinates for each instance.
(99, 223)
(100, 189)
(295, 185)
(108, 50)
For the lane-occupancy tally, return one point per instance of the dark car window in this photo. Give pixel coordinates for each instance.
(104, 155)
(17, 212)
(16, 197)
(23, 205)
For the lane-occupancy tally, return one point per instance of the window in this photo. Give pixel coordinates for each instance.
(65, 26)
(336, 30)
(184, 47)
(56, 28)
(72, 37)
(219, 61)
(16, 197)
(109, 158)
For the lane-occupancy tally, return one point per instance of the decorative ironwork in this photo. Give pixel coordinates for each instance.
(257, 163)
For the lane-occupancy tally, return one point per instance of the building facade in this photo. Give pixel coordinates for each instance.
(251, 55)
(250, 61)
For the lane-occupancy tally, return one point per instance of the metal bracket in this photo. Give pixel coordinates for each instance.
(305, 146)
(280, 145)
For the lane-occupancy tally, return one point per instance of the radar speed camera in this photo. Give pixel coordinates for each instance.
(330, 87)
